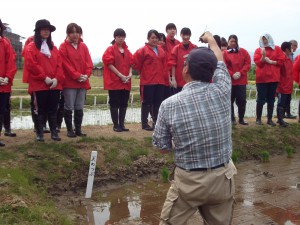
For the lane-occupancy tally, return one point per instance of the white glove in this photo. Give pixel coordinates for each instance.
(54, 83)
(128, 78)
(48, 81)
(82, 78)
(3, 81)
(267, 60)
(236, 75)
(173, 82)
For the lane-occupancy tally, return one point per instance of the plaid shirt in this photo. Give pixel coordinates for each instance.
(198, 121)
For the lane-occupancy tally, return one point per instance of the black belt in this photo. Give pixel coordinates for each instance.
(205, 169)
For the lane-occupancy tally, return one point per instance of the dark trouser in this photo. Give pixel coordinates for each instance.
(60, 110)
(167, 92)
(265, 93)
(4, 98)
(46, 103)
(118, 101)
(152, 96)
(5, 105)
(238, 95)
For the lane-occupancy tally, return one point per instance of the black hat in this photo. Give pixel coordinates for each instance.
(2, 26)
(44, 24)
(202, 63)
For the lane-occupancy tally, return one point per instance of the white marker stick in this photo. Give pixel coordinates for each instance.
(90, 182)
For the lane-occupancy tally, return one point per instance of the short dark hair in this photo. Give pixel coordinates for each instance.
(152, 32)
(235, 38)
(71, 27)
(286, 45)
(224, 42)
(218, 40)
(162, 36)
(170, 26)
(118, 32)
(186, 31)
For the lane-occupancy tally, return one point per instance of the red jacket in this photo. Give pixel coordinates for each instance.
(25, 72)
(238, 62)
(177, 58)
(152, 67)
(296, 70)
(265, 72)
(170, 44)
(75, 62)
(285, 85)
(122, 62)
(40, 66)
(7, 64)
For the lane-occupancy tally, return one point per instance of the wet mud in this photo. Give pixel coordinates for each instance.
(266, 194)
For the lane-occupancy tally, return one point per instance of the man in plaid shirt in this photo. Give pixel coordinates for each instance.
(198, 122)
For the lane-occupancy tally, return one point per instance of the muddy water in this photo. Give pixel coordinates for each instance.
(97, 116)
(266, 193)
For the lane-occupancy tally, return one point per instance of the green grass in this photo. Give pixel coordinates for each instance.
(165, 174)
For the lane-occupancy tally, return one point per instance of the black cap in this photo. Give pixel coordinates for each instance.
(44, 24)
(202, 64)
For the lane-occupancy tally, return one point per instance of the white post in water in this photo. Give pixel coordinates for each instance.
(89, 186)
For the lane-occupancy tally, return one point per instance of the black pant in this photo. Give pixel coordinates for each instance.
(118, 98)
(283, 100)
(152, 94)
(238, 95)
(4, 102)
(46, 102)
(266, 93)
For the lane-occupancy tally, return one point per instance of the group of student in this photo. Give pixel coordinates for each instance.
(58, 78)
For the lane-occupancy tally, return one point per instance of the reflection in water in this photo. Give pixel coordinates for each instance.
(101, 213)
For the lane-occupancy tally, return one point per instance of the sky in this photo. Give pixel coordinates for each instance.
(98, 19)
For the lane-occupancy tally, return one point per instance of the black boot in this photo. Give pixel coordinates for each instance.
(242, 110)
(114, 113)
(155, 115)
(259, 109)
(1, 122)
(122, 114)
(59, 119)
(6, 123)
(270, 109)
(69, 125)
(39, 128)
(45, 129)
(299, 112)
(52, 124)
(288, 113)
(78, 116)
(145, 110)
(280, 115)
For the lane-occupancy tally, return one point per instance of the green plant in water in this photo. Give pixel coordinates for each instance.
(265, 156)
(165, 174)
(289, 150)
(235, 156)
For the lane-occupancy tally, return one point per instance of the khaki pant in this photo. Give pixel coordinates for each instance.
(211, 192)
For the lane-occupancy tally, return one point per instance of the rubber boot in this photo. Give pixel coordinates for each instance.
(259, 109)
(1, 122)
(59, 118)
(68, 122)
(288, 113)
(155, 110)
(114, 113)
(280, 115)
(145, 110)
(52, 124)
(270, 109)
(122, 114)
(39, 128)
(299, 112)
(78, 116)
(6, 123)
(242, 110)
